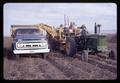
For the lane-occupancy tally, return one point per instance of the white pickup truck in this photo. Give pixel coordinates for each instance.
(28, 39)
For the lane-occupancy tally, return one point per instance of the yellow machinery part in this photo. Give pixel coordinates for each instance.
(51, 30)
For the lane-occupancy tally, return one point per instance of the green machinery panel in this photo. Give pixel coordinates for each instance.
(97, 42)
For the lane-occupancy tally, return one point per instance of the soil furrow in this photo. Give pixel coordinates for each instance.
(69, 70)
(49, 70)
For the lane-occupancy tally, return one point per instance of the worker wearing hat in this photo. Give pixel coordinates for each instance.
(84, 33)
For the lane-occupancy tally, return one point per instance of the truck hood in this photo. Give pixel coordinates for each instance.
(30, 37)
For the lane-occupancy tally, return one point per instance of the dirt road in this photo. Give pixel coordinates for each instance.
(56, 67)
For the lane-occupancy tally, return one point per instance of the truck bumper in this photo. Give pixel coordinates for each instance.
(31, 51)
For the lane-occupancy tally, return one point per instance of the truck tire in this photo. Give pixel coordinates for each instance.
(12, 55)
(84, 56)
(70, 47)
(15, 56)
(112, 55)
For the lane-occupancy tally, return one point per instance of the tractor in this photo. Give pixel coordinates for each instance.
(86, 43)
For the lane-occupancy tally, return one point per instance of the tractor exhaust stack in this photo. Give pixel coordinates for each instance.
(95, 28)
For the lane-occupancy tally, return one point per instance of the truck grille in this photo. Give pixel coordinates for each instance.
(30, 45)
(35, 45)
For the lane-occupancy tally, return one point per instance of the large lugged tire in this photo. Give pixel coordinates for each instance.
(84, 55)
(70, 47)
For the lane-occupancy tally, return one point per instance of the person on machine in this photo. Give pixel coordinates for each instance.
(84, 32)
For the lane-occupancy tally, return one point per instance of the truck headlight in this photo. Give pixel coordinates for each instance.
(43, 44)
(20, 45)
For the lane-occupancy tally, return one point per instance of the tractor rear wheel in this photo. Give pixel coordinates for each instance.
(70, 47)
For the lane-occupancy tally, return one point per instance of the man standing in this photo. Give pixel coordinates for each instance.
(84, 34)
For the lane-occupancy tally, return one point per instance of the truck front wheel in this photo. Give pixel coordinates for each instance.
(15, 56)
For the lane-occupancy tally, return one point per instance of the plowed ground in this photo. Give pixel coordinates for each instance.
(57, 66)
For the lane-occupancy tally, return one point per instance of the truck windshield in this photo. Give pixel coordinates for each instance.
(29, 32)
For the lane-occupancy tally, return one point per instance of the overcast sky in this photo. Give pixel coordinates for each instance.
(53, 14)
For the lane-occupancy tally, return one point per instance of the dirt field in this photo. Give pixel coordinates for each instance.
(57, 66)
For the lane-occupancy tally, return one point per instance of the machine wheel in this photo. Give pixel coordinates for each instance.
(84, 55)
(14, 56)
(70, 47)
(11, 55)
(112, 55)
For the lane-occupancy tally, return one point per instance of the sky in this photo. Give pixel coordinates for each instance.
(53, 14)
